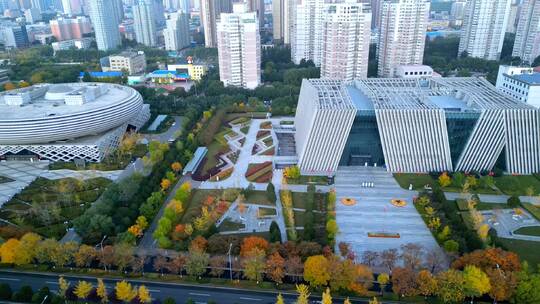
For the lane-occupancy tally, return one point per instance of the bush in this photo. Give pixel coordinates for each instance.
(169, 300)
(5, 292)
(513, 201)
(275, 233)
(451, 246)
(23, 295)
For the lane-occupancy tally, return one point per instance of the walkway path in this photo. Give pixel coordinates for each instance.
(490, 198)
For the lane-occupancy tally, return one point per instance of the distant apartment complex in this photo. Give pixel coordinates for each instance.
(195, 71)
(83, 43)
(105, 26)
(520, 83)
(176, 33)
(144, 22)
(345, 40)
(210, 13)
(239, 48)
(402, 34)
(306, 31)
(527, 43)
(132, 62)
(13, 35)
(484, 25)
(414, 126)
(70, 28)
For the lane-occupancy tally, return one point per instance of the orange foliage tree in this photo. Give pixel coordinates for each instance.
(252, 242)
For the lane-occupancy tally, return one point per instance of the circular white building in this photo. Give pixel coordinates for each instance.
(68, 121)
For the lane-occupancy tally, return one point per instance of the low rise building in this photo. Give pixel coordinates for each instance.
(520, 83)
(195, 71)
(167, 77)
(415, 71)
(79, 44)
(132, 62)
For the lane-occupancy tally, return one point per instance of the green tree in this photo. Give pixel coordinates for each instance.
(513, 201)
(275, 233)
(196, 263)
(271, 192)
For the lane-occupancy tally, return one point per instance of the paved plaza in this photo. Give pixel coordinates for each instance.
(506, 222)
(374, 213)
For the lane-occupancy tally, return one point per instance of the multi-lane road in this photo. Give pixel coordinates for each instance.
(201, 294)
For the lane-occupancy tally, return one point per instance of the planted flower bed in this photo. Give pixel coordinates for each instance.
(262, 134)
(260, 173)
(266, 125)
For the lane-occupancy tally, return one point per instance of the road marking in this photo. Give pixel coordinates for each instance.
(199, 294)
(9, 279)
(250, 299)
(54, 283)
(154, 290)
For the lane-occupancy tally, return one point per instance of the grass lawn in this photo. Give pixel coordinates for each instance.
(258, 197)
(518, 185)
(534, 210)
(533, 230)
(193, 208)
(299, 219)
(268, 141)
(267, 212)
(418, 181)
(304, 180)
(245, 130)
(228, 225)
(213, 149)
(491, 206)
(527, 250)
(232, 116)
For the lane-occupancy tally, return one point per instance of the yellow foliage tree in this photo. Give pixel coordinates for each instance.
(176, 167)
(125, 292)
(374, 301)
(326, 297)
(142, 222)
(83, 289)
(27, 248)
(434, 223)
(63, 286)
(316, 270)
(279, 299)
(8, 251)
(165, 184)
(347, 301)
(429, 211)
(23, 84)
(303, 294)
(176, 206)
(483, 232)
(476, 281)
(144, 294)
(135, 230)
(9, 86)
(444, 180)
(101, 291)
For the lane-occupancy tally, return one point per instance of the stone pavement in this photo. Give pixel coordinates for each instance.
(374, 212)
(506, 223)
(252, 223)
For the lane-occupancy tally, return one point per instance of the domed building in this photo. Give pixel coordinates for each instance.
(64, 122)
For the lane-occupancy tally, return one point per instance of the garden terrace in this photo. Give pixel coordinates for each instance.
(45, 204)
(259, 173)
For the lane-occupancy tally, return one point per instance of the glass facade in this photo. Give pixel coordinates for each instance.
(460, 126)
(363, 144)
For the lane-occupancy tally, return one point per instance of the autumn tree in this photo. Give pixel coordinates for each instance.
(125, 292)
(275, 267)
(476, 281)
(445, 180)
(316, 271)
(427, 284)
(294, 267)
(217, 265)
(83, 289)
(196, 263)
(26, 250)
(165, 184)
(144, 295)
(450, 286)
(382, 280)
(101, 291)
(279, 299)
(412, 255)
(254, 264)
(303, 294)
(8, 251)
(494, 258)
(63, 286)
(326, 297)
(176, 167)
(160, 263)
(85, 255)
(251, 242)
(363, 277)
(343, 273)
(404, 282)
(389, 258)
(503, 284)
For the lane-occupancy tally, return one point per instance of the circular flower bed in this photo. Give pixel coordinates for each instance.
(348, 201)
(398, 203)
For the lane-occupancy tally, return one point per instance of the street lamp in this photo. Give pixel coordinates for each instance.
(101, 245)
(230, 261)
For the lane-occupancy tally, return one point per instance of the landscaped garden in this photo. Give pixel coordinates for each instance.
(531, 231)
(293, 176)
(45, 205)
(266, 125)
(259, 173)
(485, 184)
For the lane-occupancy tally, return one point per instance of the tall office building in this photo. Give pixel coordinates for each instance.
(38, 4)
(280, 19)
(72, 7)
(484, 25)
(239, 48)
(25, 4)
(258, 7)
(375, 13)
(176, 32)
(106, 28)
(144, 23)
(159, 13)
(306, 31)
(345, 39)
(402, 34)
(527, 43)
(456, 12)
(118, 10)
(210, 12)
